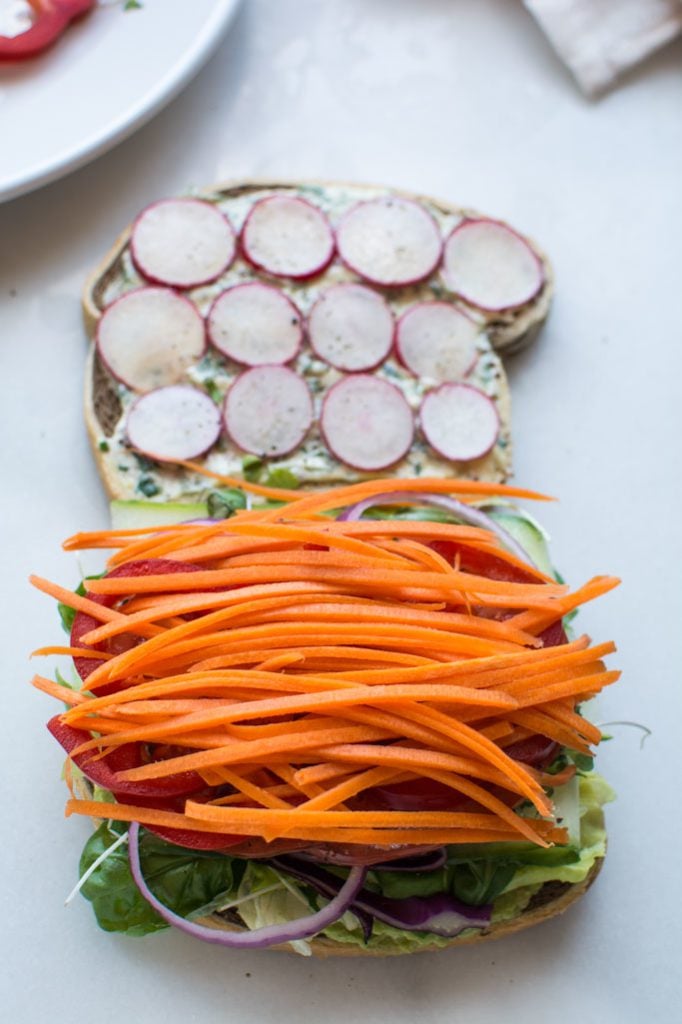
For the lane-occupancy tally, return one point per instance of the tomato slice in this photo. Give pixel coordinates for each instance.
(481, 563)
(103, 771)
(84, 623)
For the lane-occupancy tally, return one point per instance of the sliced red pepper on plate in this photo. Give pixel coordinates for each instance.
(52, 17)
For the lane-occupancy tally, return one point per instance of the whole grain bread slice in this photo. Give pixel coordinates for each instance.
(106, 400)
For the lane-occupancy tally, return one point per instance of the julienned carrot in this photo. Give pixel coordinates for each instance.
(72, 652)
(330, 799)
(58, 690)
(258, 537)
(533, 595)
(247, 751)
(339, 496)
(377, 837)
(536, 620)
(263, 491)
(298, 704)
(410, 638)
(574, 721)
(260, 604)
(307, 660)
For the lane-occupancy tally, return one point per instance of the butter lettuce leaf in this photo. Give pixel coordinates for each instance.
(593, 793)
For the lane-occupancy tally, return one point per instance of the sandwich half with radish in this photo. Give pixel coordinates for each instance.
(342, 722)
(306, 335)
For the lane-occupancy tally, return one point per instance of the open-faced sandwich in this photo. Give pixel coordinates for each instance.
(305, 334)
(347, 720)
(329, 712)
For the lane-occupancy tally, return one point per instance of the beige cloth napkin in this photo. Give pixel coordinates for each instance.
(599, 39)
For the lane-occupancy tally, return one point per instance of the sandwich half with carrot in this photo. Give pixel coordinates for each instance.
(349, 721)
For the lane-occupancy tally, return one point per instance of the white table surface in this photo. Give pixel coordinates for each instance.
(462, 100)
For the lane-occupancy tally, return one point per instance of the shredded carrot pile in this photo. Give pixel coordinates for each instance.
(303, 660)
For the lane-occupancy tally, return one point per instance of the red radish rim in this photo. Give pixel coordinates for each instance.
(284, 369)
(361, 469)
(500, 224)
(390, 284)
(469, 387)
(165, 459)
(135, 291)
(304, 276)
(270, 287)
(174, 284)
(344, 369)
(403, 316)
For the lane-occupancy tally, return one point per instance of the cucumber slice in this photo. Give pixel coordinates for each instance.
(527, 532)
(131, 515)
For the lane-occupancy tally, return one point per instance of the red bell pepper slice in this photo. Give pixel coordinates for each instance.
(52, 18)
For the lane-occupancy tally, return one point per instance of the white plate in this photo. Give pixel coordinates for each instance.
(108, 75)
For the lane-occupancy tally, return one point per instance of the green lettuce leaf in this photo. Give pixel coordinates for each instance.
(184, 880)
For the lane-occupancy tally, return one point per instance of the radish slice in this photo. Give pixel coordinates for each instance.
(390, 241)
(459, 421)
(255, 324)
(288, 237)
(351, 327)
(182, 242)
(177, 422)
(268, 411)
(436, 340)
(367, 422)
(491, 266)
(149, 337)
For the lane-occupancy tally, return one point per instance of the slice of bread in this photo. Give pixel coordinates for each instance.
(127, 476)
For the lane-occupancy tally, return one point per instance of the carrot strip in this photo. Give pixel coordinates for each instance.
(262, 796)
(338, 497)
(250, 751)
(367, 836)
(547, 726)
(58, 690)
(576, 722)
(73, 652)
(541, 596)
(297, 704)
(417, 760)
(276, 493)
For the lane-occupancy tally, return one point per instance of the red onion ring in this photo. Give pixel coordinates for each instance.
(261, 938)
(470, 515)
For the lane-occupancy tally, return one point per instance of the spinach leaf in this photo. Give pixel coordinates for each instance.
(400, 885)
(183, 880)
(480, 881)
(224, 502)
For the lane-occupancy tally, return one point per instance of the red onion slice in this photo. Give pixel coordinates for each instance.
(261, 938)
(439, 914)
(470, 515)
